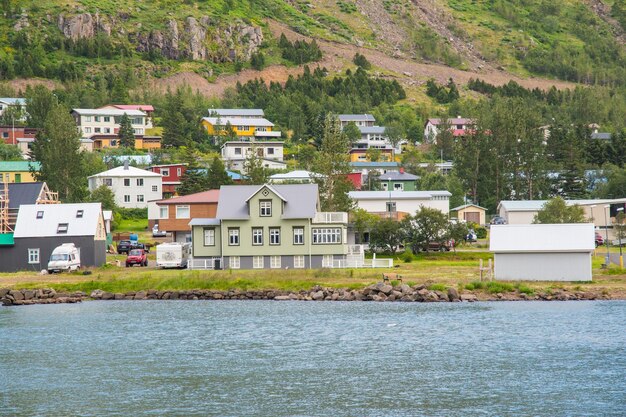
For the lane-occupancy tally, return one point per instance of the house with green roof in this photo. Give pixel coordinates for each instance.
(18, 171)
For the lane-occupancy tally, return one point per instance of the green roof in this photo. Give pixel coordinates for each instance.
(18, 166)
(6, 239)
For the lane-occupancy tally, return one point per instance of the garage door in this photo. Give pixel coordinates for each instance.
(472, 216)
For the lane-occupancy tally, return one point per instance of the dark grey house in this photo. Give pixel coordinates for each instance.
(25, 193)
(42, 227)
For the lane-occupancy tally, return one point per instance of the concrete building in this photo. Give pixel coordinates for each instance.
(132, 187)
(16, 102)
(293, 177)
(398, 181)
(242, 113)
(360, 120)
(470, 213)
(542, 252)
(457, 125)
(175, 213)
(234, 154)
(106, 121)
(18, 171)
(398, 204)
(246, 128)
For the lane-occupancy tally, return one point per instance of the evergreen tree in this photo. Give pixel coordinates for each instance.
(217, 175)
(361, 61)
(195, 179)
(57, 148)
(105, 196)
(256, 173)
(9, 153)
(352, 132)
(126, 132)
(39, 101)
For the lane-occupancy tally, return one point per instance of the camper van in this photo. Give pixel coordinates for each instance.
(173, 255)
(64, 258)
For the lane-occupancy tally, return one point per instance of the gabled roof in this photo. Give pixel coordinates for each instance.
(366, 117)
(13, 101)
(18, 166)
(398, 176)
(23, 193)
(239, 121)
(203, 197)
(397, 195)
(377, 130)
(129, 171)
(28, 225)
(452, 121)
(466, 206)
(140, 107)
(542, 238)
(300, 200)
(237, 112)
(108, 112)
(374, 164)
(269, 187)
(296, 175)
(204, 222)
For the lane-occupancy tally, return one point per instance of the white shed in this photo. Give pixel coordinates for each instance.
(542, 252)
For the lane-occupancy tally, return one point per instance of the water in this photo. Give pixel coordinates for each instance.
(264, 358)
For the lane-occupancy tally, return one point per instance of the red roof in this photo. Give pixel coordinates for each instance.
(210, 196)
(142, 107)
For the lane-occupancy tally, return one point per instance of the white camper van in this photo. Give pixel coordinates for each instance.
(64, 258)
(173, 255)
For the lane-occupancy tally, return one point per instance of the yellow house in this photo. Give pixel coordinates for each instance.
(18, 171)
(143, 142)
(361, 155)
(470, 213)
(243, 127)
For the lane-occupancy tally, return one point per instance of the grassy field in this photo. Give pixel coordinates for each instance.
(435, 270)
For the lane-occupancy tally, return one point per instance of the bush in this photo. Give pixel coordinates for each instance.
(135, 213)
(481, 232)
(437, 287)
(407, 257)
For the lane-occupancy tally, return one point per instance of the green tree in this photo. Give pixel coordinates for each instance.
(457, 231)
(615, 186)
(557, 210)
(363, 222)
(361, 61)
(126, 132)
(57, 148)
(12, 116)
(105, 196)
(387, 235)
(39, 102)
(10, 152)
(352, 132)
(257, 61)
(217, 175)
(426, 226)
(195, 179)
(394, 133)
(256, 173)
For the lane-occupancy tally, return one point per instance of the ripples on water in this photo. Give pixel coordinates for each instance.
(264, 358)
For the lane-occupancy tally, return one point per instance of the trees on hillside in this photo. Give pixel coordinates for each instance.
(557, 210)
(426, 226)
(217, 175)
(126, 132)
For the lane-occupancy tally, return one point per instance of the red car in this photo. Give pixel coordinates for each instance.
(599, 240)
(137, 257)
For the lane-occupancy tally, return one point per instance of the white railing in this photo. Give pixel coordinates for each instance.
(330, 217)
(355, 249)
(378, 263)
(201, 263)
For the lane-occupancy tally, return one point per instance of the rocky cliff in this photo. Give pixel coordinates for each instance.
(203, 39)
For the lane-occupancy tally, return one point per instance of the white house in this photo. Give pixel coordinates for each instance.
(542, 252)
(298, 176)
(358, 119)
(235, 153)
(458, 125)
(242, 113)
(408, 202)
(132, 187)
(106, 121)
(6, 102)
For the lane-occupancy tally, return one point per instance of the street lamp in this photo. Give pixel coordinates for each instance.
(593, 220)
(619, 239)
(606, 230)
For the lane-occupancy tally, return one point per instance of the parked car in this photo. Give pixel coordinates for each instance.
(441, 246)
(64, 258)
(599, 240)
(497, 220)
(125, 246)
(137, 257)
(158, 233)
(471, 236)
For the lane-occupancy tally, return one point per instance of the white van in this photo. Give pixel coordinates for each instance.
(173, 255)
(64, 258)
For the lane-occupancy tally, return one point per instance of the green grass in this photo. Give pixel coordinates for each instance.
(438, 287)
(132, 225)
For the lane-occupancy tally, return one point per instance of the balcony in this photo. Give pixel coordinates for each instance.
(330, 217)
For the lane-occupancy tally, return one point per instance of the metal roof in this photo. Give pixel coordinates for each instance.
(372, 130)
(374, 164)
(28, 225)
(577, 237)
(12, 101)
(398, 176)
(108, 112)
(300, 200)
(204, 222)
(466, 206)
(366, 117)
(23, 193)
(18, 166)
(397, 195)
(237, 112)
(203, 197)
(296, 175)
(239, 121)
(601, 135)
(129, 171)
(536, 205)
(141, 107)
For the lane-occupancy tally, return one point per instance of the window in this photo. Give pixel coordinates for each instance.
(398, 186)
(237, 151)
(88, 118)
(257, 236)
(113, 142)
(79, 214)
(140, 198)
(5, 134)
(298, 261)
(96, 119)
(391, 206)
(62, 228)
(274, 235)
(40, 214)
(139, 182)
(97, 130)
(298, 235)
(179, 171)
(33, 256)
(257, 262)
(108, 182)
(126, 199)
(270, 151)
(266, 208)
(234, 262)
(209, 237)
(126, 182)
(165, 172)
(164, 212)
(233, 236)
(326, 235)
(107, 130)
(275, 261)
(138, 131)
(107, 118)
(87, 130)
(327, 261)
(182, 212)
(155, 188)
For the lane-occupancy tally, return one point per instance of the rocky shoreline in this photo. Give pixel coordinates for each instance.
(376, 292)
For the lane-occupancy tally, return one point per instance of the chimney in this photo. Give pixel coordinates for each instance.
(458, 117)
(126, 165)
(401, 170)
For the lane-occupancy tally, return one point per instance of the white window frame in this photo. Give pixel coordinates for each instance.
(87, 130)
(139, 182)
(126, 198)
(327, 261)
(165, 209)
(33, 255)
(234, 262)
(155, 188)
(179, 171)
(126, 182)
(275, 262)
(258, 262)
(265, 208)
(108, 182)
(257, 236)
(274, 236)
(233, 237)
(326, 235)
(183, 215)
(165, 172)
(398, 186)
(298, 235)
(209, 236)
(140, 198)
(298, 261)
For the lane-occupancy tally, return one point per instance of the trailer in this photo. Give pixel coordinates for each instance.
(173, 255)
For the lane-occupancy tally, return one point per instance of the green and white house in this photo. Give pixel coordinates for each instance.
(272, 226)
